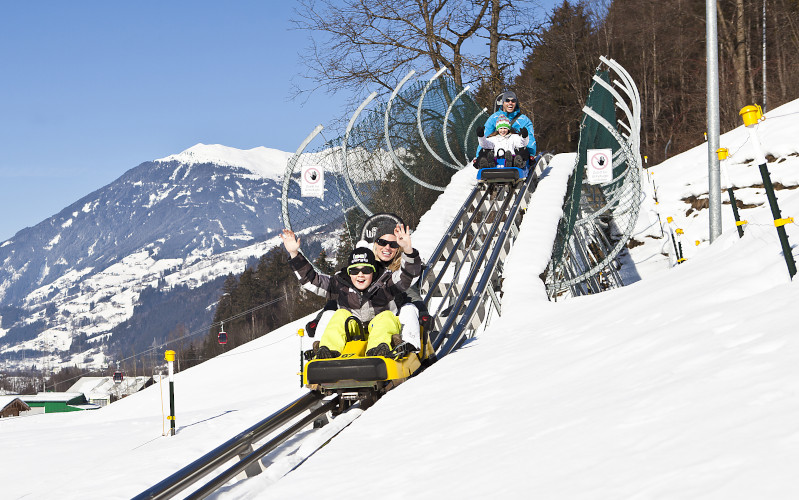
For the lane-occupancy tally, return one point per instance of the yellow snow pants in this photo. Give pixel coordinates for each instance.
(380, 329)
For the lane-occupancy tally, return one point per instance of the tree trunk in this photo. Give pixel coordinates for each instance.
(493, 50)
(739, 61)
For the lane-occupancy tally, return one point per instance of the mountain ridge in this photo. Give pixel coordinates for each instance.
(181, 221)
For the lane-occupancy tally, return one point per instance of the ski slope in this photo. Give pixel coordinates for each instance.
(680, 385)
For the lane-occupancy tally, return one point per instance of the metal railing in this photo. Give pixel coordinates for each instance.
(240, 446)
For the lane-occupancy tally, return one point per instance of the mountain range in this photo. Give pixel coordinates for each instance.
(176, 223)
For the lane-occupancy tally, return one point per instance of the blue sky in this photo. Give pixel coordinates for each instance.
(91, 89)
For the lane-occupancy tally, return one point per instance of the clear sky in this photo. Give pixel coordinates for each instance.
(91, 89)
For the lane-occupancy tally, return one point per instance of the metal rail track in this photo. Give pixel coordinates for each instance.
(463, 280)
(241, 446)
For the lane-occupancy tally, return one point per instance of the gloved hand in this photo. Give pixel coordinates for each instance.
(525, 133)
(402, 350)
(480, 131)
(311, 353)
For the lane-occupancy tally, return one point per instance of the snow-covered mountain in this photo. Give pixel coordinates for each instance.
(181, 220)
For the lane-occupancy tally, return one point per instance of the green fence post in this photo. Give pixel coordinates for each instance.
(751, 116)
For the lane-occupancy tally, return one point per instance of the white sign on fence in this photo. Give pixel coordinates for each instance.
(600, 166)
(312, 183)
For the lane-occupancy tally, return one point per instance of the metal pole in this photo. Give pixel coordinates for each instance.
(713, 125)
(170, 358)
(764, 56)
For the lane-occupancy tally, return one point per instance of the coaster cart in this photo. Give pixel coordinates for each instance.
(504, 166)
(357, 377)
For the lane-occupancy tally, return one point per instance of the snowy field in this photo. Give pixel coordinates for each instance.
(681, 385)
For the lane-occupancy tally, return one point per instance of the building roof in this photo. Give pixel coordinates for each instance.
(51, 397)
(89, 384)
(101, 387)
(6, 400)
(87, 406)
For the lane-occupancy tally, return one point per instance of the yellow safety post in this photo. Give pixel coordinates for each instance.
(676, 244)
(680, 258)
(723, 154)
(751, 116)
(301, 334)
(170, 358)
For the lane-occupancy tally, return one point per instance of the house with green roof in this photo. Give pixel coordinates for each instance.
(58, 402)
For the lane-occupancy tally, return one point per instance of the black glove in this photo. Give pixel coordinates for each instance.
(402, 350)
(308, 355)
(480, 131)
(525, 133)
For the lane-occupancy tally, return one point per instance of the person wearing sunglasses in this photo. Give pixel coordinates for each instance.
(509, 109)
(361, 290)
(386, 249)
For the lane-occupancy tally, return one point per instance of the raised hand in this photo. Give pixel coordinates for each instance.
(291, 242)
(403, 238)
(525, 132)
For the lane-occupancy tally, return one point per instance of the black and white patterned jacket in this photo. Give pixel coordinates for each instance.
(366, 304)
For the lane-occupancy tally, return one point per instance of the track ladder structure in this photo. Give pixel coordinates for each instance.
(463, 280)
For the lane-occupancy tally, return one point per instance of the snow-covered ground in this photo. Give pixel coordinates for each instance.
(681, 385)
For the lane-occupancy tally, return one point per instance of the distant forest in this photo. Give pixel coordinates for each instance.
(662, 45)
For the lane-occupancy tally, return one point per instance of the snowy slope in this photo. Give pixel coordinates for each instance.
(680, 183)
(682, 385)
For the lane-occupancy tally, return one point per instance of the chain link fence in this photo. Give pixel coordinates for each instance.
(396, 157)
(598, 219)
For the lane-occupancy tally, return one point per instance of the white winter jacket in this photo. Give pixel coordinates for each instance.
(510, 142)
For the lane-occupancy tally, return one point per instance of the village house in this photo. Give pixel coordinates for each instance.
(12, 406)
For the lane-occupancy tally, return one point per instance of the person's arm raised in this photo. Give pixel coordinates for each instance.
(403, 238)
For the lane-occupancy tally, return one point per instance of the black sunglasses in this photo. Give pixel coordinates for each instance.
(353, 271)
(510, 100)
(383, 243)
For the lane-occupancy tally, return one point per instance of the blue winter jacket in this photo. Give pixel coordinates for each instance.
(521, 122)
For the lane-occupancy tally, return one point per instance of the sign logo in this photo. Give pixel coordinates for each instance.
(600, 166)
(312, 182)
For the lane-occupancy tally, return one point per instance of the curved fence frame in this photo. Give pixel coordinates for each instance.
(349, 163)
(621, 195)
